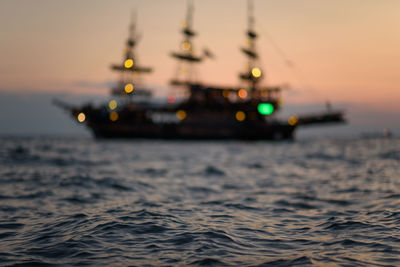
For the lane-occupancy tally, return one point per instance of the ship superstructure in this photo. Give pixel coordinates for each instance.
(129, 69)
(186, 57)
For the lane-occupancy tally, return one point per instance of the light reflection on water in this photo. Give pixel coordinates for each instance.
(311, 202)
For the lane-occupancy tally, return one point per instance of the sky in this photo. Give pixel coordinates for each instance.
(344, 51)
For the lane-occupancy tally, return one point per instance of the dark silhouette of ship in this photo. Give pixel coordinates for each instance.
(204, 112)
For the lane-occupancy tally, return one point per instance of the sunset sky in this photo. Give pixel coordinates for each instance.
(345, 51)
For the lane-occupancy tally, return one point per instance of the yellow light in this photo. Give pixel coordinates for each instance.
(112, 104)
(128, 63)
(183, 70)
(81, 117)
(181, 115)
(186, 46)
(242, 93)
(293, 120)
(256, 72)
(114, 116)
(225, 93)
(240, 116)
(129, 88)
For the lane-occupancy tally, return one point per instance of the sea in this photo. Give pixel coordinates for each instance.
(309, 202)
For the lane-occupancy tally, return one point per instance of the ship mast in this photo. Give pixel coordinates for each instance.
(129, 68)
(253, 73)
(185, 74)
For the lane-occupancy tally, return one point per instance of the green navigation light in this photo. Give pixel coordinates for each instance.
(265, 108)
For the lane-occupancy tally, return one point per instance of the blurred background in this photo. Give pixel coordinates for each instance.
(345, 52)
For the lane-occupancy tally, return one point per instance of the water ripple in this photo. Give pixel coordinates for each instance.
(76, 202)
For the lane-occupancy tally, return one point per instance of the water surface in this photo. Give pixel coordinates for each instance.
(75, 202)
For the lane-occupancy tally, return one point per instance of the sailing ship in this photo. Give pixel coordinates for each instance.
(205, 112)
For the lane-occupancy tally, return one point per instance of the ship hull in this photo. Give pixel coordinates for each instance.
(194, 132)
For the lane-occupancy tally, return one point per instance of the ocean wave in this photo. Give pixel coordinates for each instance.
(300, 261)
(76, 202)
